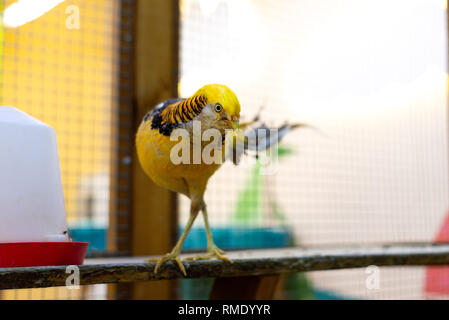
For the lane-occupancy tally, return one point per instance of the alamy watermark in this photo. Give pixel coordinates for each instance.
(212, 146)
(72, 22)
(372, 281)
(73, 280)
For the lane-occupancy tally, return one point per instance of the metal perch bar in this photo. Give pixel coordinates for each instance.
(246, 263)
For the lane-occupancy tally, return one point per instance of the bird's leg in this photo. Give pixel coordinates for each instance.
(212, 250)
(176, 251)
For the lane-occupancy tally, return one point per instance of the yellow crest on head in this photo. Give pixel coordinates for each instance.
(223, 95)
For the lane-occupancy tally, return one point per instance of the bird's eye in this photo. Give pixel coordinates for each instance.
(218, 107)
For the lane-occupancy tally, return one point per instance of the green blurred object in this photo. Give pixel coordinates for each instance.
(248, 202)
(256, 212)
(249, 208)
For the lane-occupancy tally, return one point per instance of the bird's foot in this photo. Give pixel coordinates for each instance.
(212, 252)
(175, 256)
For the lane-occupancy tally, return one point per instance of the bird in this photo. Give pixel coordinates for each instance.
(213, 107)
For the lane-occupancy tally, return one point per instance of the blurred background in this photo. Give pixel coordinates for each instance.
(371, 77)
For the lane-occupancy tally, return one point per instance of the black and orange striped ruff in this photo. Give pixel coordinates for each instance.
(175, 112)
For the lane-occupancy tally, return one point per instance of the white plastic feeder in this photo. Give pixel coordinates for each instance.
(31, 197)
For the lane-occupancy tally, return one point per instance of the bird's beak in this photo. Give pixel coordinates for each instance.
(235, 122)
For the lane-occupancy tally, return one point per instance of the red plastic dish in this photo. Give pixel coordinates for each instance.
(29, 254)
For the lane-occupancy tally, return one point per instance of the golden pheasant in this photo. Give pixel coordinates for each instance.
(213, 107)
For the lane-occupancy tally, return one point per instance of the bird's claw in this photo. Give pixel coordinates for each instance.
(169, 256)
(213, 252)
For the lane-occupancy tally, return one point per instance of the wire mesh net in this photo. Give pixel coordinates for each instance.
(370, 79)
(59, 64)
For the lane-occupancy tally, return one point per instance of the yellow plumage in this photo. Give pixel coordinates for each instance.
(223, 95)
(154, 156)
(216, 107)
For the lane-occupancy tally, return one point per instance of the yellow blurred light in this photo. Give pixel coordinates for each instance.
(24, 11)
